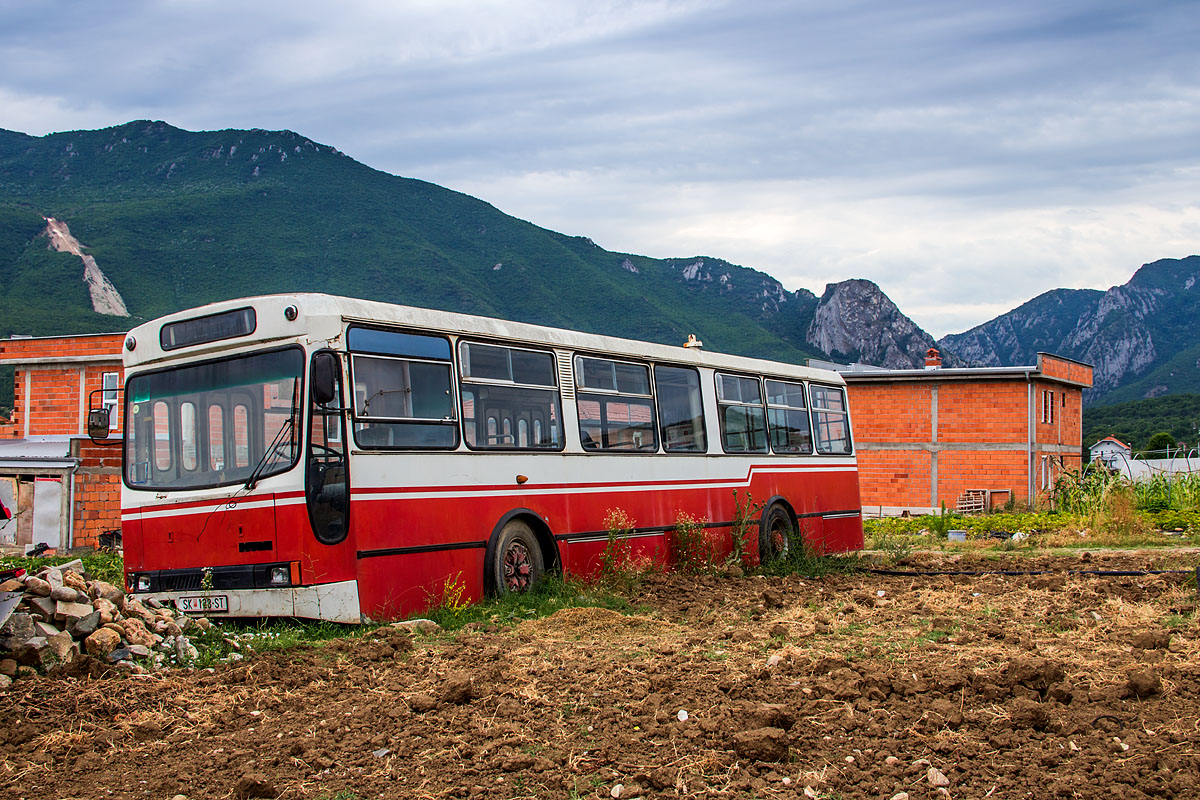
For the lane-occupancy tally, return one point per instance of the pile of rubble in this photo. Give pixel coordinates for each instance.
(61, 615)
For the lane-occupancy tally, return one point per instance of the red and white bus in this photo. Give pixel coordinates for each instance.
(314, 456)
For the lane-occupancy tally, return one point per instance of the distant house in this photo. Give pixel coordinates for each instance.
(971, 438)
(1118, 456)
(63, 490)
(1111, 452)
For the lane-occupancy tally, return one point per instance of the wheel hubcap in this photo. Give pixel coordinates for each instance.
(518, 567)
(779, 541)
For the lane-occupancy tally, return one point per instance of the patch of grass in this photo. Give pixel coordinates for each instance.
(620, 568)
(1178, 620)
(895, 546)
(550, 594)
(107, 567)
(229, 640)
(1118, 523)
(805, 560)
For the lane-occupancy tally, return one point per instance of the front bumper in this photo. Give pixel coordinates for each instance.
(335, 602)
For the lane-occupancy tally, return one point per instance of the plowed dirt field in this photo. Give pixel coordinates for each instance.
(864, 685)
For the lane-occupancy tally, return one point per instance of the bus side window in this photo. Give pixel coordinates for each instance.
(504, 389)
(742, 417)
(787, 415)
(831, 420)
(403, 390)
(680, 409)
(616, 409)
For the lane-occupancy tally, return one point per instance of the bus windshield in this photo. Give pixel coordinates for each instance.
(213, 424)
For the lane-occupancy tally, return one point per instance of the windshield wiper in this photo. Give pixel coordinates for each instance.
(288, 427)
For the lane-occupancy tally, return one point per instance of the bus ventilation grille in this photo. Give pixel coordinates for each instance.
(566, 378)
(179, 582)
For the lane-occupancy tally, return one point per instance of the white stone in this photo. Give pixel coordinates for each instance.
(419, 625)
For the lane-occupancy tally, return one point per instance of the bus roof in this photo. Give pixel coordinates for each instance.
(323, 316)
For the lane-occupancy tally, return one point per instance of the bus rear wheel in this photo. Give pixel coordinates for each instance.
(776, 535)
(517, 565)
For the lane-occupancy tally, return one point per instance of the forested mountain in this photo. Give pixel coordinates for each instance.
(176, 219)
(144, 219)
(172, 219)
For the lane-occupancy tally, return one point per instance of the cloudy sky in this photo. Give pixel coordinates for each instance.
(964, 156)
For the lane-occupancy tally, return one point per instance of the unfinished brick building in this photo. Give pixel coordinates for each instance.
(63, 489)
(970, 438)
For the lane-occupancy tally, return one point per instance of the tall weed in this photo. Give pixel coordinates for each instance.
(746, 515)
(620, 568)
(691, 551)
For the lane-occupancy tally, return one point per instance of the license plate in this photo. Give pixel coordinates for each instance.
(214, 602)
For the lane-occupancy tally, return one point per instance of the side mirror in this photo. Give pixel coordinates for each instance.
(324, 378)
(98, 423)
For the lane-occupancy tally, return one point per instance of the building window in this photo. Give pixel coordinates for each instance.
(1048, 407)
(1047, 472)
(110, 384)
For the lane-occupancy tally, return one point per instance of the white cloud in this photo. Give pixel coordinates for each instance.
(39, 114)
(930, 146)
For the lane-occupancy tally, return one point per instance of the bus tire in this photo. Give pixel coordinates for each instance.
(777, 534)
(517, 562)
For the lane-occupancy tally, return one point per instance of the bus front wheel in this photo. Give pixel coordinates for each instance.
(776, 535)
(517, 564)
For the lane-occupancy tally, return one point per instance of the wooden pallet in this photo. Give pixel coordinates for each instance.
(972, 501)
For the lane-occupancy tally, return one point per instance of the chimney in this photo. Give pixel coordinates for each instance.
(932, 359)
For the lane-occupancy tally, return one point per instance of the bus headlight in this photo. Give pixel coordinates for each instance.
(142, 584)
(280, 576)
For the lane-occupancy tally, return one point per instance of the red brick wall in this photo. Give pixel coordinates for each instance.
(990, 470)
(1055, 367)
(54, 388)
(993, 414)
(894, 477)
(105, 344)
(54, 408)
(983, 411)
(97, 503)
(54, 401)
(891, 412)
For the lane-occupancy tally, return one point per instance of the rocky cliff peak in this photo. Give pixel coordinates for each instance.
(855, 320)
(1124, 331)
